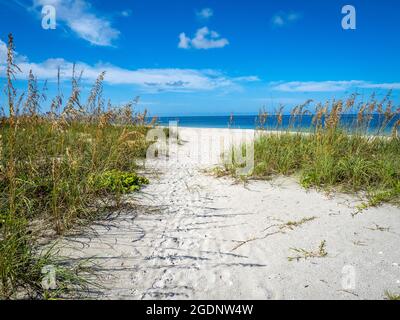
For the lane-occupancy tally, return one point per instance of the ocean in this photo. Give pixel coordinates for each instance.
(348, 121)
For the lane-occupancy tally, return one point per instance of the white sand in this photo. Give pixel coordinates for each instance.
(186, 238)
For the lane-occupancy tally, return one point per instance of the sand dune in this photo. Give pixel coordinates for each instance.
(194, 236)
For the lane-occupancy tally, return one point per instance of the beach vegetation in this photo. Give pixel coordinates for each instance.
(305, 254)
(392, 296)
(56, 167)
(349, 146)
(116, 181)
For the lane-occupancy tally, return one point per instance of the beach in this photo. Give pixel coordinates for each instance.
(192, 235)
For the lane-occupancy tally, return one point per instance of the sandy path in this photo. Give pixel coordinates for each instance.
(187, 239)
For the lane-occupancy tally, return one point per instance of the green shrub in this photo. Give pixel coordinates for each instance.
(118, 182)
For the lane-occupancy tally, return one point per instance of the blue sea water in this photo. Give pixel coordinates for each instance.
(348, 121)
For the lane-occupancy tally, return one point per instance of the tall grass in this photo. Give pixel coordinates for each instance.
(51, 165)
(337, 151)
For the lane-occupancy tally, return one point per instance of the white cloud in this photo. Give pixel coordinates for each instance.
(330, 86)
(126, 13)
(184, 42)
(153, 80)
(385, 86)
(282, 18)
(78, 16)
(278, 21)
(3, 52)
(205, 13)
(248, 79)
(204, 39)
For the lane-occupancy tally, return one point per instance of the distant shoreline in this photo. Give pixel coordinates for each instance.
(271, 122)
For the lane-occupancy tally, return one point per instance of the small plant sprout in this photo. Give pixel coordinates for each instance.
(304, 254)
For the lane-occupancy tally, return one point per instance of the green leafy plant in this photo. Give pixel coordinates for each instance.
(119, 182)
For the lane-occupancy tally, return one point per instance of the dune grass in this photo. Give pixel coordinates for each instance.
(55, 169)
(392, 296)
(332, 154)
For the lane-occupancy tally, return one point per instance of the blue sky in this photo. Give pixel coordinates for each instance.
(186, 57)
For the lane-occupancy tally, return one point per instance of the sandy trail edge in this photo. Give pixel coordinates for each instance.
(186, 239)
